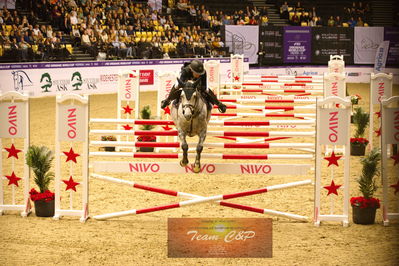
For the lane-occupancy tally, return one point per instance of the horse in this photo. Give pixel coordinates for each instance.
(191, 115)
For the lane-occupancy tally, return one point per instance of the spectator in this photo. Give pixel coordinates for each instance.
(352, 22)
(338, 21)
(360, 22)
(331, 22)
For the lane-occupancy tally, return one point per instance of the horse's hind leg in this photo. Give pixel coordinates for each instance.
(184, 147)
(197, 163)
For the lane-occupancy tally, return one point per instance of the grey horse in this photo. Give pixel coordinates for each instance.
(191, 116)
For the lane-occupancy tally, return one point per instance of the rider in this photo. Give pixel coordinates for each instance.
(193, 71)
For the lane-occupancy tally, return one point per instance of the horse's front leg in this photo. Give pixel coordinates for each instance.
(197, 163)
(184, 147)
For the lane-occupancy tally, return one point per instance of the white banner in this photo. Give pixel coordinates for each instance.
(334, 126)
(334, 85)
(381, 85)
(129, 85)
(71, 123)
(381, 57)
(12, 120)
(212, 68)
(367, 40)
(208, 168)
(391, 129)
(243, 40)
(359, 74)
(166, 80)
(237, 68)
(91, 77)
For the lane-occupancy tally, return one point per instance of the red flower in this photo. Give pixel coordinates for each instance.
(146, 138)
(46, 196)
(359, 141)
(362, 202)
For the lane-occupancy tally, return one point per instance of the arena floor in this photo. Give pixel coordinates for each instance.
(142, 239)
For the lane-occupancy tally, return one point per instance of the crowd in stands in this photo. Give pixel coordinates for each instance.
(298, 15)
(126, 29)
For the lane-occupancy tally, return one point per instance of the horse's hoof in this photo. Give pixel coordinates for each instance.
(183, 164)
(197, 168)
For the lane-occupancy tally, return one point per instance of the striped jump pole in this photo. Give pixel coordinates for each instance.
(281, 77)
(295, 115)
(209, 133)
(280, 107)
(196, 199)
(207, 145)
(211, 122)
(282, 90)
(203, 155)
(266, 99)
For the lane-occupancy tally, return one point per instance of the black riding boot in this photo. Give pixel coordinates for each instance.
(214, 100)
(173, 95)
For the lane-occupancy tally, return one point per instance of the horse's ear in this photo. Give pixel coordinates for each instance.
(196, 83)
(181, 83)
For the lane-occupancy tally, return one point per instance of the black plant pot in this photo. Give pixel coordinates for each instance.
(109, 148)
(352, 119)
(146, 149)
(363, 215)
(44, 208)
(358, 150)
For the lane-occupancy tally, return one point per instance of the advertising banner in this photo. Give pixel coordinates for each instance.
(367, 40)
(328, 41)
(12, 120)
(243, 40)
(91, 77)
(297, 44)
(271, 44)
(392, 129)
(334, 126)
(381, 57)
(72, 121)
(391, 34)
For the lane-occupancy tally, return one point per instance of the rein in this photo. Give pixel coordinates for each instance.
(194, 110)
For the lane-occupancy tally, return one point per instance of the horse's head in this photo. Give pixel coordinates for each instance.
(189, 97)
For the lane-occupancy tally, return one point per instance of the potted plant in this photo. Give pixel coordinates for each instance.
(358, 143)
(365, 207)
(40, 159)
(108, 138)
(146, 114)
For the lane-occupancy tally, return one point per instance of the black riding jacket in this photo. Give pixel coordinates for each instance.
(186, 74)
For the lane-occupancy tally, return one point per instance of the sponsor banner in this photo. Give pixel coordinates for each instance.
(271, 44)
(237, 68)
(328, 41)
(212, 68)
(46, 79)
(297, 44)
(391, 34)
(367, 40)
(334, 85)
(243, 40)
(381, 86)
(8, 4)
(128, 86)
(381, 57)
(12, 120)
(146, 77)
(334, 126)
(219, 237)
(391, 129)
(360, 74)
(72, 121)
(217, 168)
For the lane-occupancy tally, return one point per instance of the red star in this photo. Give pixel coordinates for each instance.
(236, 78)
(167, 128)
(332, 189)
(378, 132)
(71, 155)
(127, 127)
(167, 110)
(13, 179)
(12, 151)
(396, 187)
(332, 159)
(378, 114)
(131, 76)
(396, 158)
(71, 184)
(127, 110)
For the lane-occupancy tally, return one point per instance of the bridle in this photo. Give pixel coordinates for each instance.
(193, 108)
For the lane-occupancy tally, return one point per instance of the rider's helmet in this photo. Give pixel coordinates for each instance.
(197, 67)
